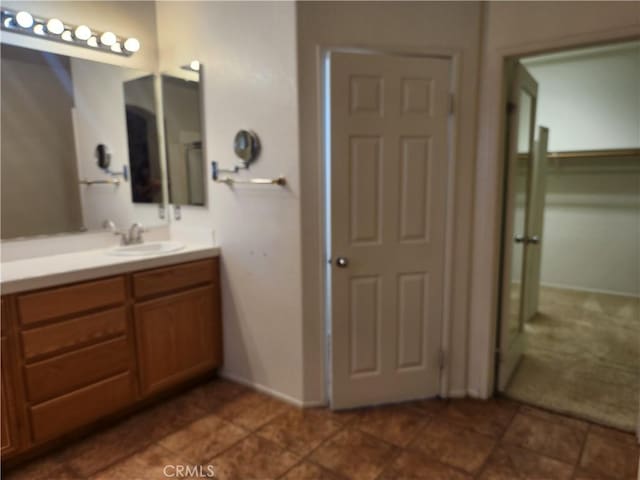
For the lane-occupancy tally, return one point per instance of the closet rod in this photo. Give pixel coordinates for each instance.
(617, 153)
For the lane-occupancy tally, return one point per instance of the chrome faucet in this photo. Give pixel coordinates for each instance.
(132, 237)
(135, 233)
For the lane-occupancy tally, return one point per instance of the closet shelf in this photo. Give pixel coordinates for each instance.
(617, 153)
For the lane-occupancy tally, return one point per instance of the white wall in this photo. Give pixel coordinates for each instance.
(248, 53)
(518, 28)
(592, 229)
(589, 99)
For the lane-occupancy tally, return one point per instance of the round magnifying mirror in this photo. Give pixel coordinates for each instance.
(247, 146)
(103, 156)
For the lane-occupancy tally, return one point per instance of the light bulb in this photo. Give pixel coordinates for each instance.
(195, 65)
(92, 42)
(116, 47)
(83, 32)
(39, 29)
(108, 38)
(55, 26)
(132, 45)
(24, 19)
(8, 22)
(67, 36)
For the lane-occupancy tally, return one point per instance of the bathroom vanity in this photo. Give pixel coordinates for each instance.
(93, 330)
(76, 352)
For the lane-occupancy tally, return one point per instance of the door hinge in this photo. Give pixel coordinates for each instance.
(511, 108)
(442, 359)
(498, 357)
(451, 103)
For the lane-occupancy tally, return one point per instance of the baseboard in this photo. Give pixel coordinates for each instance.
(457, 393)
(314, 404)
(573, 288)
(271, 392)
(473, 393)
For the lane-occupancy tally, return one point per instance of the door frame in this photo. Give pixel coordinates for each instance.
(493, 160)
(324, 53)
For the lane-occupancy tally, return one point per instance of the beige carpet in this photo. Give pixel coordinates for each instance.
(583, 357)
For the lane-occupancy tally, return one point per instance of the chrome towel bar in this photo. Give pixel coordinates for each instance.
(281, 181)
(109, 181)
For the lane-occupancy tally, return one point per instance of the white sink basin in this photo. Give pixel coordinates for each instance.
(146, 249)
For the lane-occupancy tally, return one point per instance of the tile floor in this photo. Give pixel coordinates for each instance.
(246, 435)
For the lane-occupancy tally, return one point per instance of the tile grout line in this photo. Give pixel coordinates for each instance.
(498, 443)
(552, 422)
(307, 457)
(406, 449)
(150, 442)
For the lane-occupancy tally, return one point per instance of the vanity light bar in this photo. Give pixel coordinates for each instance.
(55, 29)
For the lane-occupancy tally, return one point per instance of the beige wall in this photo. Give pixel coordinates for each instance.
(451, 29)
(518, 28)
(248, 53)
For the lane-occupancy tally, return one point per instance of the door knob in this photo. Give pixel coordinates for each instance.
(526, 240)
(342, 262)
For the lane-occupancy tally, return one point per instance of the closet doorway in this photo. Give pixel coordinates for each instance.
(569, 336)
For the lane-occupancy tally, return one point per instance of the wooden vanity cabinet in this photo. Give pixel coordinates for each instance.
(92, 349)
(9, 420)
(176, 336)
(9, 414)
(77, 357)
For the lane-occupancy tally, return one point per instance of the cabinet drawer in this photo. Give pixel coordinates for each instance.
(79, 298)
(176, 277)
(78, 408)
(73, 333)
(62, 374)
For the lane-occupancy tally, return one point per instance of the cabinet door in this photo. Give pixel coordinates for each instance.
(9, 424)
(179, 337)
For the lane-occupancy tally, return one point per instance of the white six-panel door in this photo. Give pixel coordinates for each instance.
(389, 155)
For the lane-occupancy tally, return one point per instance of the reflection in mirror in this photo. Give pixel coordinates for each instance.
(142, 136)
(520, 192)
(55, 112)
(181, 102)
(39, 173)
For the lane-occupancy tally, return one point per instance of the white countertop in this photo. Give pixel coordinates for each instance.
(48, 271)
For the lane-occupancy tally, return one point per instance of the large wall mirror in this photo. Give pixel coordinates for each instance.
(82, 142)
